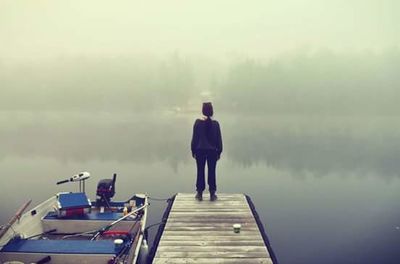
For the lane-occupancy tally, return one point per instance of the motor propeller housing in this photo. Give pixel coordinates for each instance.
(106, 190)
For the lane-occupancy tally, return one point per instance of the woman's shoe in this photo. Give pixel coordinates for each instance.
(213, 196)
(199, 196)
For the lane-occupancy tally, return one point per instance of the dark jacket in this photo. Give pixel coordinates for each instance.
(202, 141)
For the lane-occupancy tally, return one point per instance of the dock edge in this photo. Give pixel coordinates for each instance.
(160, 230)
(262, 230)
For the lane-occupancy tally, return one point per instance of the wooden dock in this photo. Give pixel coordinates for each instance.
(202, 232)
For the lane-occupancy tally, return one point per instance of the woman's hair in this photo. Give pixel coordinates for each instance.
(208, 111)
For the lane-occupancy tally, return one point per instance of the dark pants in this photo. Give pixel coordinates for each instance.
(211, 157)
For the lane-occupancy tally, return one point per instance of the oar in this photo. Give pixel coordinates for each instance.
(41, 234)
(15, 218)
(102, 230)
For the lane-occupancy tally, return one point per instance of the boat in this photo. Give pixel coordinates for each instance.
(69, 228)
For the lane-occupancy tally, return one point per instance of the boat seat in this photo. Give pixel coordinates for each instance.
(106, 216)
(62, 247)
(83, 223)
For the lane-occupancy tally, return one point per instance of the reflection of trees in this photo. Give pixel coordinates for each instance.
(137, 140)
(310, 147)
(319, 153)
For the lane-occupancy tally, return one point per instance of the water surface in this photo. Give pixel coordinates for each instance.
(326, 188)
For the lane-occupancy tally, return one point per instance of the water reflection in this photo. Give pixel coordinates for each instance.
(314, 220)
(320, 145)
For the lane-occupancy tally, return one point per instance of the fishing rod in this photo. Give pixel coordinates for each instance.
(16, 217)
(103, 229)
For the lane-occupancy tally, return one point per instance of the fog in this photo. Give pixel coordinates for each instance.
(306, 93)
(214, 28)
(338, 108)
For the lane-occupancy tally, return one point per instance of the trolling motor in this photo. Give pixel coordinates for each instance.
(105, 191)
(80, 177)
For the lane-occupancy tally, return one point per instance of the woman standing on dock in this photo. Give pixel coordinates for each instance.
(206, 147)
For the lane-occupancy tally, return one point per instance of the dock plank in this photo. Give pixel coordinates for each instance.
(207, 248)
(207, 228)
(211, 254)
(189, 237)
(230, 233)
(201, 224)
(212, 261)
(201, 243)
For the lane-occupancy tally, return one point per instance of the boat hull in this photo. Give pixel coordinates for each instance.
(56, 258)
(80, 250)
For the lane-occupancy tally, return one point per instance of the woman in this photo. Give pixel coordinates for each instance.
(206, 147)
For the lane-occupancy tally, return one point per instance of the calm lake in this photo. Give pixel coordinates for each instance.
(326, 187)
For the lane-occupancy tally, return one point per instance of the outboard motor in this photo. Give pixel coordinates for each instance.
(106, 191)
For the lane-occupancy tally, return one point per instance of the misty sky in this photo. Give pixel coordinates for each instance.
(216, 28)
(141, 66)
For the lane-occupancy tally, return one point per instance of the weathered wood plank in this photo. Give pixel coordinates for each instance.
(207, 248)
(211, 233)
(189, 237)
(211, 254)
(197, 214)
(201, 243)
(211, 219)
(207, 228)
(194, 216)
(207, 201)
(207, 194)
(202, 224)
(211, 209)
(206, 198)
(212, 261)
(209, 205)
(224, 225)
(220, 215)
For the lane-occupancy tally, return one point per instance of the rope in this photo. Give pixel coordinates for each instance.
(87, 233)
(153, 225)
(159, 199)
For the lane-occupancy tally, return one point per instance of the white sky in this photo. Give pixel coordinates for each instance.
(30, 28)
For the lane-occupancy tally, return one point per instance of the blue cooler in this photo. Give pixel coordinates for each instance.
(71, 204)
